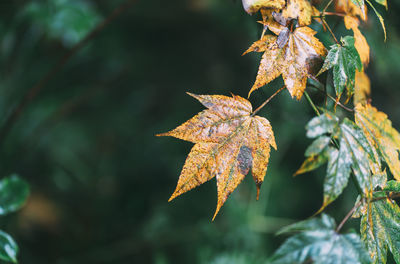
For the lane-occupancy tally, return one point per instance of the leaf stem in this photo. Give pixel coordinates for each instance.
(390, 196)
(334, 14)
(311, 103)
(267, 101)
(326, 7)
(348, 215)
(35, 90)
(333, 99)
(330, 31)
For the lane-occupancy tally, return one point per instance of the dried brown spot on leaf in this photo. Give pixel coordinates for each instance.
(252, 6)
(300, 10)
(295, 55)
(360, 43)
(362, 88)
(381, 134)
(229, 142)
(349, 8)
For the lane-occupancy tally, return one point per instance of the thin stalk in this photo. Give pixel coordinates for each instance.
(333, 99)
(334, 14)
(326, 7)
(349, 214)
(267, 101)
(330, 31)
(311, 103)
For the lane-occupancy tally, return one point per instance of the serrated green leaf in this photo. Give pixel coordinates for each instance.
(8, 248)
(312, 163)
(345, 60)
(317, 146)
(380, 132)
(337, 175)
(323, 124)
(360, 151)
(319, 243)
(13, 194)
(380, 229)
(379, 17)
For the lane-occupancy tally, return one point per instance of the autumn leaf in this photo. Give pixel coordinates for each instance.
(381, 133)
(380, 228)
(229, 142)
(295, 55)
(360, 43)
(345, 60)
(300, 10)
(351, 9)
(252, 6)
(362, 88)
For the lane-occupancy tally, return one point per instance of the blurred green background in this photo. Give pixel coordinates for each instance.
(100, 179)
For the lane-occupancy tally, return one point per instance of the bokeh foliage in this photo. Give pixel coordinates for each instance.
(99, 178)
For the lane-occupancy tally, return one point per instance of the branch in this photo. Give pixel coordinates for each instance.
(349, 214)
(267, 101)
(333, 99)
(330, 30)
(35, 90)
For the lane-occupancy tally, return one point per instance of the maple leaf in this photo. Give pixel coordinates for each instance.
(252, 6)
(229, 142)
(362, 88)
(351, 9)
(380, 132)
(295, 55)
(360, 43)
(300, 10)
(353, 152)
(345, 60)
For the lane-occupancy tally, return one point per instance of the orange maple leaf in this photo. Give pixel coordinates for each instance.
(295, 55)
(229, 142)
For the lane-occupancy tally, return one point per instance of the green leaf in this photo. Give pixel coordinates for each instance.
(345, 60)
(380, 230)
(317, 146)
(392, 186)
(325, 222)
(337, 175)
(319, 243)
(312, 163)
(323, 124)
(8, 248)
(358, 151)
(13, 194)
(379, 15)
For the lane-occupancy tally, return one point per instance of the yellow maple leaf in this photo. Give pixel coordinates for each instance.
(229, 142)
(380, 132)
(349, 8)
(252, 6)
(360, 43)
(362, 88)
(295, 55)
(300, 10)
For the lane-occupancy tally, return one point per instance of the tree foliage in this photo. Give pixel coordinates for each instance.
(230, 140)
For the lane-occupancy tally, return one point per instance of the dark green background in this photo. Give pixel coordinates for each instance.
(100, 179)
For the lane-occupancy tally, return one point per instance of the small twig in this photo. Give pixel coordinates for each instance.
(330, 31)
(390, 196)
(333, 99)
(334, 14)
(326, 7)
(267, 101)
(34, 91)
(349, 214)
(311, 103)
